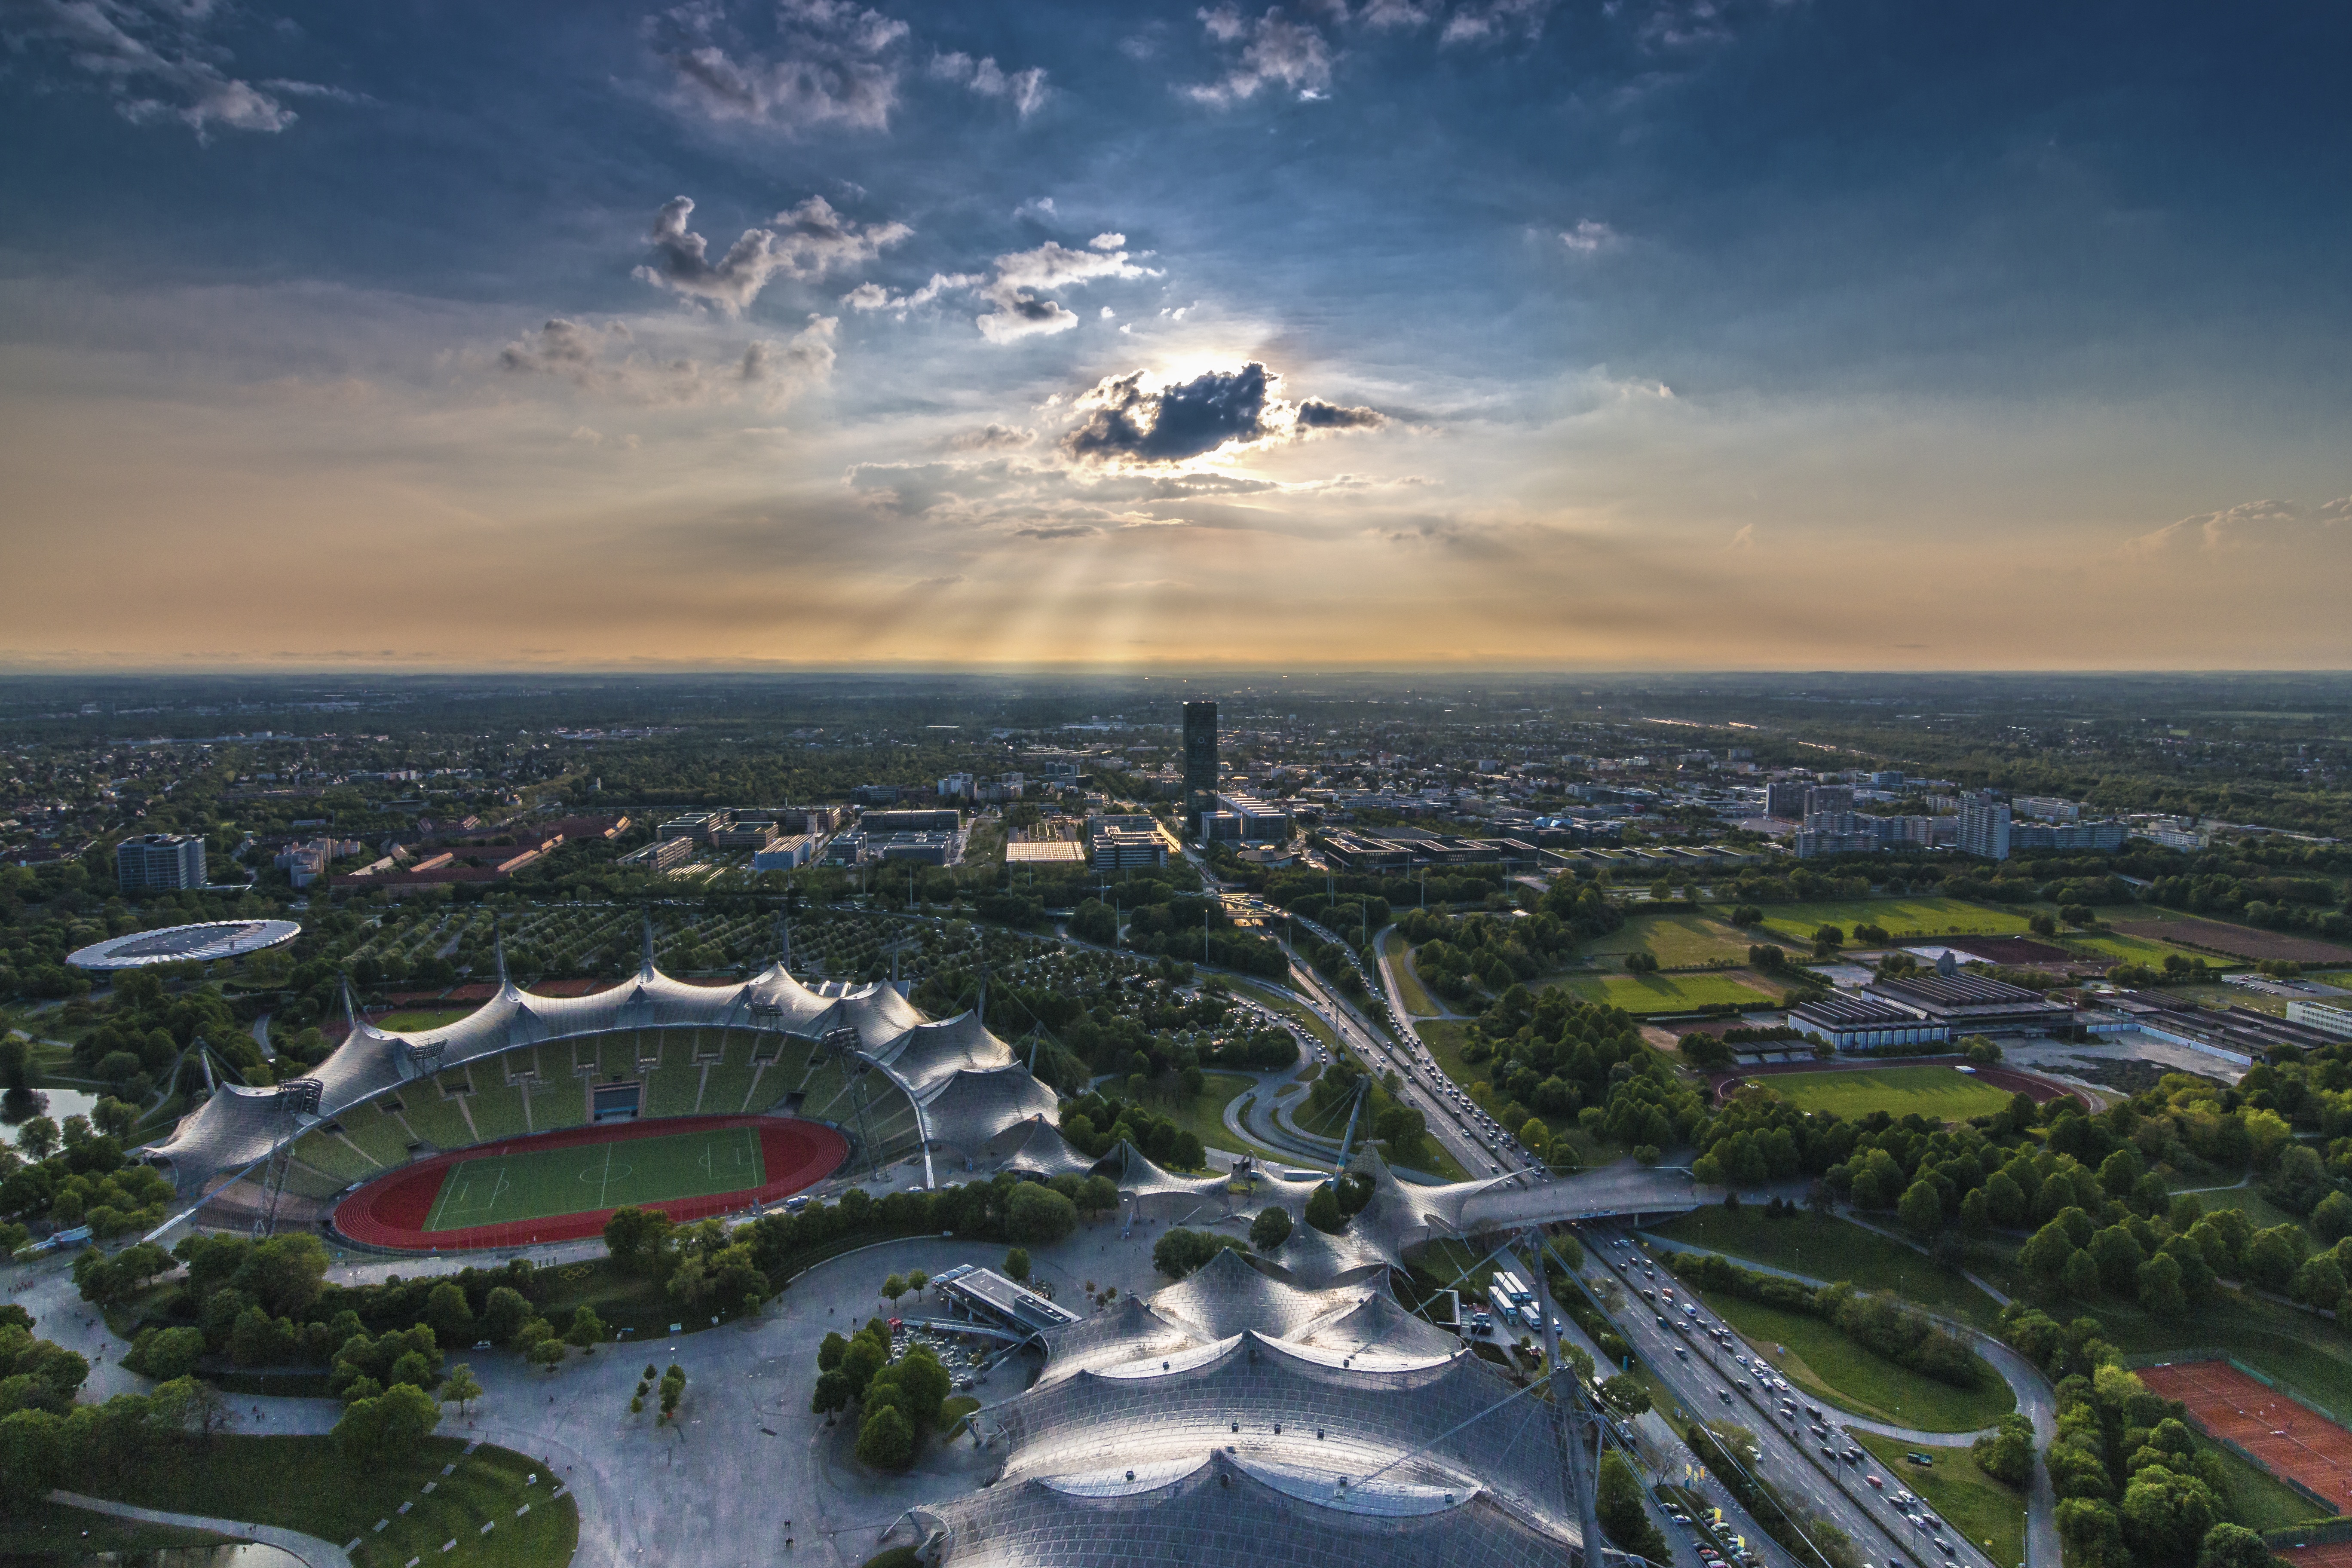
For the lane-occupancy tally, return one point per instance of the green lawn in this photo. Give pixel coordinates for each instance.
(1982, 1508)
(303, 1483)
(2280, 1341)
(537, 1183)
(2129, 948)
(1904, 918)
(1829, 1248)
(1938, 1093)
(416, 1020)
(1203, 1114)
(1814, 1356)
(1417, 1001)
(50, 1533)
(1678, 939)
(2259, 1499)
(1643, 993)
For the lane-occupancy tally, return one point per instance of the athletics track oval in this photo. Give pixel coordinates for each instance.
(390, 1211)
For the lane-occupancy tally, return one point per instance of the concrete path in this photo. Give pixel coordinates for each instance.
(318, 1554)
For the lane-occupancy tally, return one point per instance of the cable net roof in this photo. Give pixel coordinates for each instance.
(965, 1087)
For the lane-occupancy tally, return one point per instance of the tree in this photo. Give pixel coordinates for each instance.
(460, 1388)
(115, 1118)
(1536, 1138)
(504, 1314)
(1016, 1264)
(587, 1330)
(1037, 1216)
(166, 1354)
(548, 1353)
(2006, 1454)
(892, 1288)
(640, 1241)
(1271, 1229)
(285, 1273)
(1627, 1392)
(887, 1440)
(2160, 1287)
(833, 1392)
(2082, 1275)
(2233, 1546)
(388, 1424)
(1179, 1252)
(446, 1312)
(1921, 1210)
(33, 1458)
(2319, 1284)
(37, 1137)
(1617, 1505)
(1323, 1210)
(917, 1279)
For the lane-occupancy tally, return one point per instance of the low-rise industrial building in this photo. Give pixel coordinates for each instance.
(1865, 1024)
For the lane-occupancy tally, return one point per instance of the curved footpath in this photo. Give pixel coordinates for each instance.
(312, 1551)
(2034, 1396)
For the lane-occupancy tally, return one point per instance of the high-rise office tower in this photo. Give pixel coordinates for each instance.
(1984, 827)
(154, 861)
(1200, 759)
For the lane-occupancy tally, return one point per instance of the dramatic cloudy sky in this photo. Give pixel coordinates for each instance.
(1505, 332)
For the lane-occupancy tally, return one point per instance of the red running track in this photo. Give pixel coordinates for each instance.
(391, 1211)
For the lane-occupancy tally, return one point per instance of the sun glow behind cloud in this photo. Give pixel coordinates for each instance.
(872, 332)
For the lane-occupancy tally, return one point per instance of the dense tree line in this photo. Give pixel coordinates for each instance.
(898, 1398)
(2134, 1485)
(1882, 1321)
(1559, 1056)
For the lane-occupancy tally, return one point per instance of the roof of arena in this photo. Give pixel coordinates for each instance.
(969, 1092)
(1236, 1418)
(199, 943)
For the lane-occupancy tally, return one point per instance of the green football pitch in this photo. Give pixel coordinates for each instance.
(1938, 1093)
(539, 1184)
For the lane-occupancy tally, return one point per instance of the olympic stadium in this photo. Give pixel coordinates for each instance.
(1276, 1407)
(696, 1099)
(200, 943)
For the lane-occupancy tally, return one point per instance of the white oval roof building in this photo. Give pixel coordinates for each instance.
(199, 943)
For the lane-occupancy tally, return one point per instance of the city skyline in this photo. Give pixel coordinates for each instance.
(1491, 334)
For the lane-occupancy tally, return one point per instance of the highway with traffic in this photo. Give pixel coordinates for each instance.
(1803, 1452)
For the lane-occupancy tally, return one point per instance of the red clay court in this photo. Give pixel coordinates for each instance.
(562, 1186)
(2292, 1439)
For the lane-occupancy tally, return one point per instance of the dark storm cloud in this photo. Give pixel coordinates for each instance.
(1316, 415)
(1126, 421)
(1175, 423)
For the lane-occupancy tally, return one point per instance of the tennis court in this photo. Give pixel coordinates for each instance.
(2290, 1439)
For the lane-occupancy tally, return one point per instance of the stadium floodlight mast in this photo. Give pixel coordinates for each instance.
(841, 1045)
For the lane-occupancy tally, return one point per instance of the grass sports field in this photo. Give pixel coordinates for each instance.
(1938, 1093)
(539, 1184)
(1904, 918)
(1666, 992)
(559, 1186)
(1676, 938)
